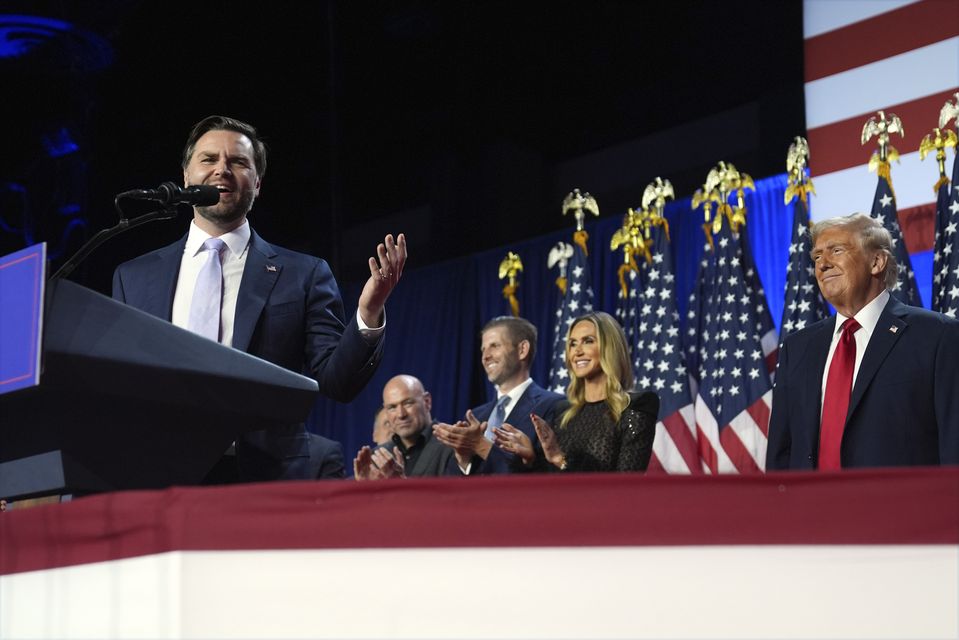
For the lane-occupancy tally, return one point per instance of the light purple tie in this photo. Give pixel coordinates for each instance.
(208, 293)
(496, 418)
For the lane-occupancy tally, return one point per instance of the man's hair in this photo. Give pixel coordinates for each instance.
(223, 123)
(519, 329)
(873, 237)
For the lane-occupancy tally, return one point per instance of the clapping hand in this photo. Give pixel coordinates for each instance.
(549, 441)
(512, 440)
(378, 465)
(466, 438)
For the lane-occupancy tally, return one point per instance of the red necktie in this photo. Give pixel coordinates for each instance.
(835, 403)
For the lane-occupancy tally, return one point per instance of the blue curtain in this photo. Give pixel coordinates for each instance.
(435, 315)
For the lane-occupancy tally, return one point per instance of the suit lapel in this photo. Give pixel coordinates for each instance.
(884, 336)
(819, 352)
(813, 361)
(160, 287)
(524, 406)
(259, 277)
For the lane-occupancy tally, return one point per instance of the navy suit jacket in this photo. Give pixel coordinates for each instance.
(288, 311)
(534, 400)
(904, 408)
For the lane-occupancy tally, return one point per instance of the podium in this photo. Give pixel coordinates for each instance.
(129, 401)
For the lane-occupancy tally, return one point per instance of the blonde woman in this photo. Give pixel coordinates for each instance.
(604, 427)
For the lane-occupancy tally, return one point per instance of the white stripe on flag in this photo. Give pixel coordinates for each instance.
(874, 86)
(750, 434)
(843, 192)
(665, 448)
(708, 428)
(822, 16)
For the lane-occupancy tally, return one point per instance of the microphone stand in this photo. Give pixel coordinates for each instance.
(168, 212)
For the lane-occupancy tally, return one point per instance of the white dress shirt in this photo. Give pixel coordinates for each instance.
(234, 261)
(867, 318)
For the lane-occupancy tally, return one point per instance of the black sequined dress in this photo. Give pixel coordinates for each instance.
(592, 441)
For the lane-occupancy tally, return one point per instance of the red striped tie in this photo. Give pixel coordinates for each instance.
(836, 401)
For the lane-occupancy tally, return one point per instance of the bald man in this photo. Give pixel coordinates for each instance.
(414, 451)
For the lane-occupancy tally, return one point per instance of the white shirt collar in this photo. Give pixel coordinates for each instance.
(235, 240)
(515, 393)
(868, 316)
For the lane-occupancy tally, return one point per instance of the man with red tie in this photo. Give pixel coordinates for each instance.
(877, 384)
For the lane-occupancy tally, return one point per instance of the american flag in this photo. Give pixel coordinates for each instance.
(649, 317)
(577, 300)
(945, 279)
(803, 303)
(884, 210)
(735, 345)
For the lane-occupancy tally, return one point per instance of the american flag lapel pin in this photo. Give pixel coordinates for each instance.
(271, 268)
(894, 329)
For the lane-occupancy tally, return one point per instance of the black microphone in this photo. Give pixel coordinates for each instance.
(202, 195)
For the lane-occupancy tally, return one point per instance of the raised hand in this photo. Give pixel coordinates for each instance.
(385, 272)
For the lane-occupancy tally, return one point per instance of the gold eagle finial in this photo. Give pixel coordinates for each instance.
(723, 180)
(949, 111)
(938, 140)
(656, 193)
(579, 203)
(560, 255)
(797, 159)
(882, 127)
(509, 268)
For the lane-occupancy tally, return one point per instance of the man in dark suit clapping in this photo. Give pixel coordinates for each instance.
(508, 346)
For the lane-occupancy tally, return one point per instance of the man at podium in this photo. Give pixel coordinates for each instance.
(223, 281)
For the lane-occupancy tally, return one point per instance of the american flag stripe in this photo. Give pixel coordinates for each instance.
(879, 85)
(675, 448)
(862, 56)
(711, 452)
(922, 113)
(889, 34)
(736, 439)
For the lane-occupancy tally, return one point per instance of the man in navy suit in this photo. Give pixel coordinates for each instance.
(276, 304)
(903, 406)
(508, 346)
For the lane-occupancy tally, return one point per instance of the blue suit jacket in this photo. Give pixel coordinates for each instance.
(534, 400)
(288, 311)
(904, 408)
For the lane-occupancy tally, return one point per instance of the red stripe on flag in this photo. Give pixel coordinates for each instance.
(882, 36)
(836, 146)
(759, 410)
(655, 466)
(683, 440)
(918, 226)
(706, 452)
(737, 453)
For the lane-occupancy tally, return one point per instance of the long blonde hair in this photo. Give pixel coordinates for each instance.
(613, 360)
